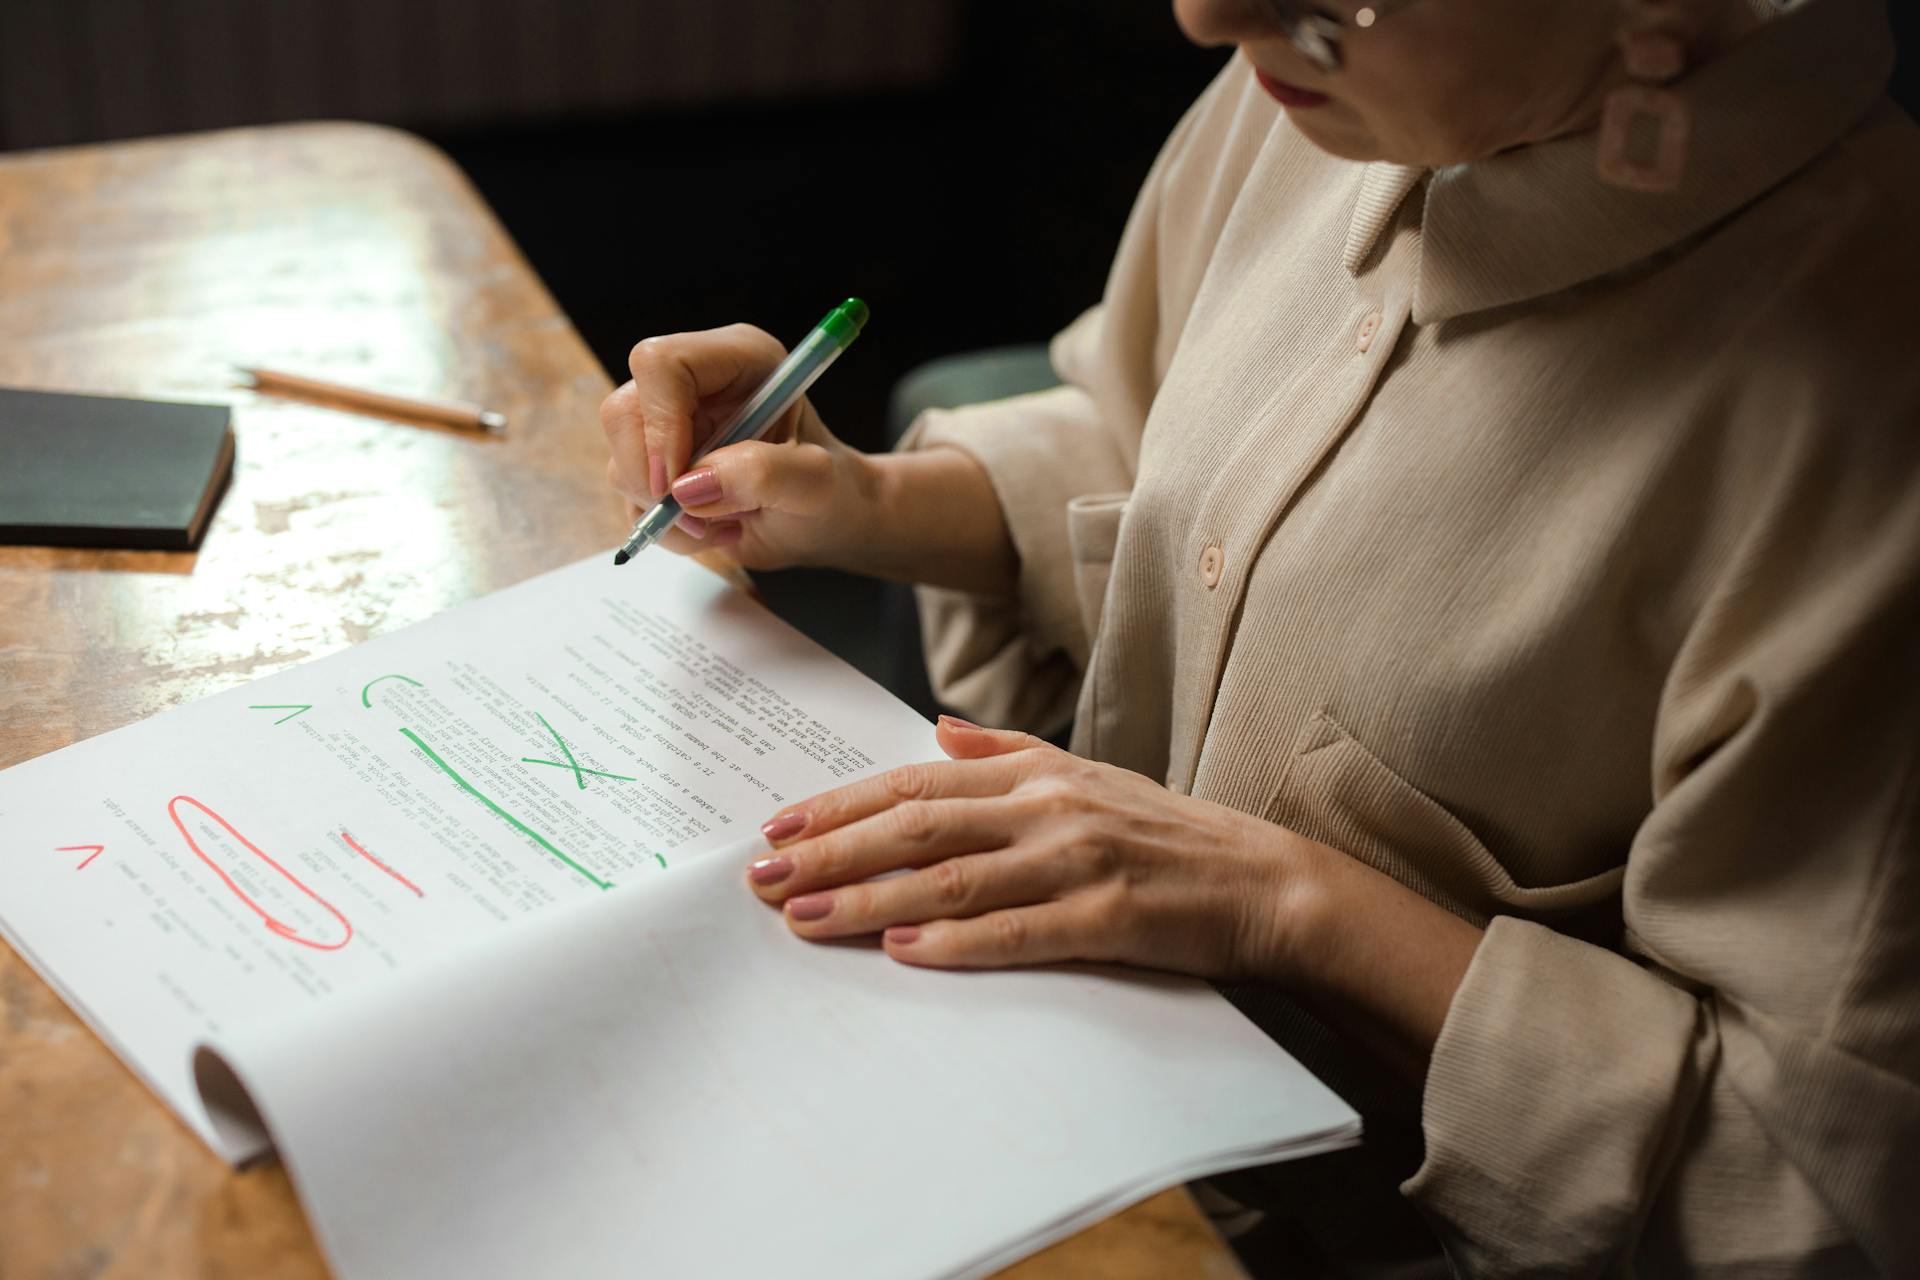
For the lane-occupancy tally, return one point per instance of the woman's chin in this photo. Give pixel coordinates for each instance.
(1343, 139)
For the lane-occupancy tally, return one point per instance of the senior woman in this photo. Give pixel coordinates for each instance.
(1478, 543)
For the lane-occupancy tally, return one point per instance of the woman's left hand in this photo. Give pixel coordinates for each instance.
(1015, 852)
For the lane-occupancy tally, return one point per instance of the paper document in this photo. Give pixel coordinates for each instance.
(268, 848)
(460, 914)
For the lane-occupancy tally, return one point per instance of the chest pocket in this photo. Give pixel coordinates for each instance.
(1093, 531)
(1334, 790)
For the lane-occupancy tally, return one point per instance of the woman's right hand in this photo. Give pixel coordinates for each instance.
(796, 496)
(799, 496)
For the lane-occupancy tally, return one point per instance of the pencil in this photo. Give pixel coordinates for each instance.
(452, 413)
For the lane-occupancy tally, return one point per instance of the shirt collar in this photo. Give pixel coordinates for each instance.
(1537, 220)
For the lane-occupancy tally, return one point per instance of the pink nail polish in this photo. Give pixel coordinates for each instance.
(770, 870)
(904, 935)
(955, 722)
(697, 488)
(814, 906)
(656, 477)
(785, 824)
(693, 526)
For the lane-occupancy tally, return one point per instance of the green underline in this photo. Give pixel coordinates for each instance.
(517, 825)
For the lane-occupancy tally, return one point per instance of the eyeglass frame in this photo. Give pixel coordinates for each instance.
(1316, 34)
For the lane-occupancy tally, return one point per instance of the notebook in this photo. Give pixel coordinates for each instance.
(99, 471)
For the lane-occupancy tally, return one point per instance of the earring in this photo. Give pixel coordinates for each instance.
(1646, 125)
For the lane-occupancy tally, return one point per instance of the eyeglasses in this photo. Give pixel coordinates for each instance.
(1317, 30)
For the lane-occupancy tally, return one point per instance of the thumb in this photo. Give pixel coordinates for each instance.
(756, 475)
(965, 740)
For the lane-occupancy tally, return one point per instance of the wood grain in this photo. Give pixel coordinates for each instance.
(353, 253)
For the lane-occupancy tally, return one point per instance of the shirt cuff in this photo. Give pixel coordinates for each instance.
(1035, 450)
(1550, 1094)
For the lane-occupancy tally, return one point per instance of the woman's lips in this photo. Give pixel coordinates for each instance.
(1290, 95)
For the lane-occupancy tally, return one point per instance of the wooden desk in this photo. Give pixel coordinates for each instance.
(360, 254)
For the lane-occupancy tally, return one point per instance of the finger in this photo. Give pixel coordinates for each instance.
(1044, 934)
(682, 543)
(965, 740)
(953, 888)
(915, 834)
(935, 780)
(755, 475)
(627, 463)
(688, 534)
(677, 376)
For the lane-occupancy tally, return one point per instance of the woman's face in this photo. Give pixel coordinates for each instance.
(1435, 82)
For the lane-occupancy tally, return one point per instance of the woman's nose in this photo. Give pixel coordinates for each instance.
(1218, 22)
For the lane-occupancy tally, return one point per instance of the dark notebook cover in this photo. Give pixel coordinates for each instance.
(93, 471)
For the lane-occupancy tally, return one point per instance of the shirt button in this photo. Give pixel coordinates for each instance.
(1212, 561)
(1368, 328)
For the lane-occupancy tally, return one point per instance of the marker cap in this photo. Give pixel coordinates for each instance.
(844, 322)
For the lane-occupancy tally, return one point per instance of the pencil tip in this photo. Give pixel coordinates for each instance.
(621, 556)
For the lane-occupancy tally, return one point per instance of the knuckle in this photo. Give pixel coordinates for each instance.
(617, 481)
(749, 470)
(1095, 858)
(647, 354)
(660, 431)
(909, 782)
(1105, 910)
(616, 406)
(1039, 754)
(952, 884)
(1009, 932)
(851, 906)
(812, 463)
(757, 340)
(913, 823)
(1053, 793)
(828, 860)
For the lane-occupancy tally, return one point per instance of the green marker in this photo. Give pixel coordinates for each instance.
(779, 393)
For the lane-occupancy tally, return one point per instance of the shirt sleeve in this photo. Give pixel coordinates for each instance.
(1017, 661)
(1740, 1090)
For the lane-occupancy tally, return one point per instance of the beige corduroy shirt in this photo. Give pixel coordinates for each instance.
(1556, 550)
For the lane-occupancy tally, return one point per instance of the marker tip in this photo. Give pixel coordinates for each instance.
(621, 556)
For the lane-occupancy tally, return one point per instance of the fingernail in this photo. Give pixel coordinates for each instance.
(727, 534)
(656, 477)
(697, 488)
(785, 823)
(692, 525)
(902, 935)
(955, 722)
(770, 870)
(814, 906)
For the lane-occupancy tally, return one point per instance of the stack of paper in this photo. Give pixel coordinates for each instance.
(456, 920)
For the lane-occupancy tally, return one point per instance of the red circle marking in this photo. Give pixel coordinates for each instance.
(274, 924)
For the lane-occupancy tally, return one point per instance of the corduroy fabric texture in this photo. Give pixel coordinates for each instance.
(1556, 550)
